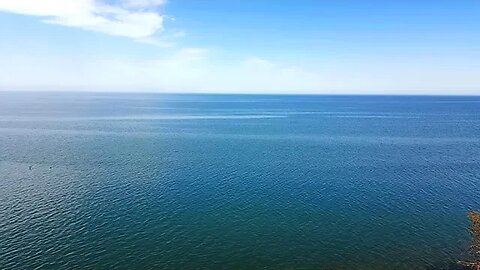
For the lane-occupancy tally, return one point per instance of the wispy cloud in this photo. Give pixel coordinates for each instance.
(199, 70)
(143, 3)
(136, 19)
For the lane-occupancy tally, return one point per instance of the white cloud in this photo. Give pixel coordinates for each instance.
(135, 19)
(258, 63)
(143, 3)
(176, 70)
(198, 70)
(167, 40)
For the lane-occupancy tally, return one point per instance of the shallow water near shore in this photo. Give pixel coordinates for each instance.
(163, 181)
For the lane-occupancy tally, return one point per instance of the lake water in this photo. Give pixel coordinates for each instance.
(151, 181)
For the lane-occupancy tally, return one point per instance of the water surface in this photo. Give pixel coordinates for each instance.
(150, 181)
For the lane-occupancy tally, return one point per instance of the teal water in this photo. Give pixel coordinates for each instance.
(145, 181)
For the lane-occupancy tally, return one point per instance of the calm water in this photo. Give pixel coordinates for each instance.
(236, 182)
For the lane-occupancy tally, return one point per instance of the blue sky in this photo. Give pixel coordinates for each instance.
(366, 47)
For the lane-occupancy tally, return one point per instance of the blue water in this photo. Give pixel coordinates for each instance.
(150, 181)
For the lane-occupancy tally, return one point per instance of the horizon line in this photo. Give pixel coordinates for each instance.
(238, 93)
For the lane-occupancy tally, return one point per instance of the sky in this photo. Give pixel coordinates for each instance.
(235, 46)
